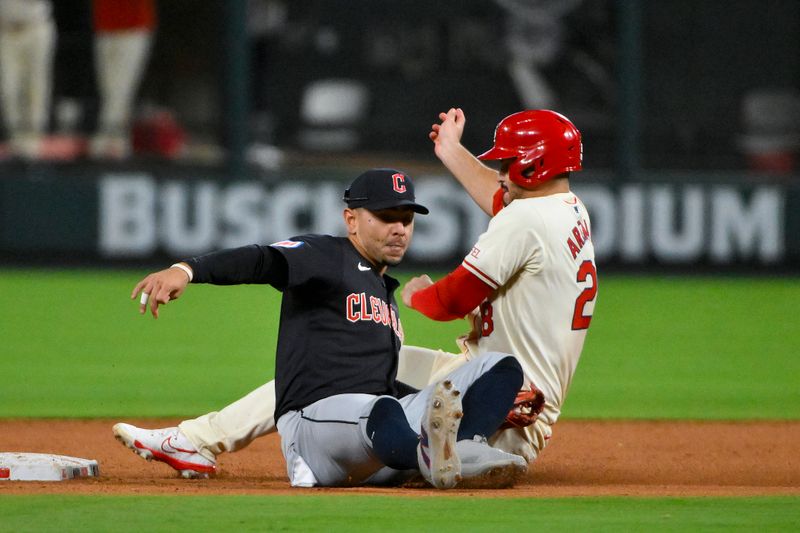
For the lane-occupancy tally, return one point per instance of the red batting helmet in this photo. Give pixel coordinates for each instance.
(543, 144)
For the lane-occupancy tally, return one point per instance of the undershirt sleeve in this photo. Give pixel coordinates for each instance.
(247, 264)
(497, 201)
(451, 297)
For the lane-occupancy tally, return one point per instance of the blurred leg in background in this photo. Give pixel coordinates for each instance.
(124, 32)
(27, 46)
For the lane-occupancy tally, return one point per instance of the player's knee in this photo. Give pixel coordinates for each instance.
(392, 439)
(385, 411)
(510, 362)
(509, 365)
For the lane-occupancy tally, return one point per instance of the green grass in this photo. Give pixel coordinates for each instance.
(73, 345)
(704, 348)
(380, 513)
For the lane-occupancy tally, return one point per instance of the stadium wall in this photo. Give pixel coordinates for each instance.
(109, 217)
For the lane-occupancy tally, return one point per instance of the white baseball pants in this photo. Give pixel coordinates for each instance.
(121, 58)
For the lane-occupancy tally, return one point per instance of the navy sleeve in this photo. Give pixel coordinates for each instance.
(248, 264)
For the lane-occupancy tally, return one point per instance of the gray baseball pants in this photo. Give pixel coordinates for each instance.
(326, 443)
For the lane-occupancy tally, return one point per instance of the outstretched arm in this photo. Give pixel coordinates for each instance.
(247, 264)
(479, 180)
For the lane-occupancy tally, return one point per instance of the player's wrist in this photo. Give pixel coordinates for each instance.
(186, 269)
(448, 148)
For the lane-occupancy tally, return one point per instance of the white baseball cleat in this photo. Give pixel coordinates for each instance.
(436, 453)
(485, 467)
(167, 445)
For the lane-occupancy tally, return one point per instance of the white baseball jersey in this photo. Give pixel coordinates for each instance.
(537, 254)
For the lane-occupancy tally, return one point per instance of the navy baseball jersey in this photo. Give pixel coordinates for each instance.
(339, 328)
(332, 290)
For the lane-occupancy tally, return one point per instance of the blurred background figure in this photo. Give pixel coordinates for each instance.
(27, 45)
(770, 121)
(535, 37)
(124, 31)
(267, 23)
(555, 46)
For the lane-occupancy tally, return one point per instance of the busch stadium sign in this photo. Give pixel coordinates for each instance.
(139, 216)
(687, 224)
(634, 224)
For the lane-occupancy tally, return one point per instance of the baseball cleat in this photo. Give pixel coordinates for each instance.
(167, 445)
(485, 467)
(436, 453)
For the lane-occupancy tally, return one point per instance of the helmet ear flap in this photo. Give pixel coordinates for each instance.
(526, 169)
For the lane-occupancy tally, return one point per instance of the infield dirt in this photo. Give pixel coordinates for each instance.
(585, 458)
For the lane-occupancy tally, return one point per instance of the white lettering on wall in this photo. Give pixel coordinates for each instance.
(243, 209)
(603, 213)
(435, 234)
(290, 204)
(746, 233)
(677, 234)
(189, 217)
(127, 215)
(139, 216)
(632, 229)
(328, 207)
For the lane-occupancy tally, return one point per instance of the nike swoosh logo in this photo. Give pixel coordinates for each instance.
(362, 268)
(168, 447)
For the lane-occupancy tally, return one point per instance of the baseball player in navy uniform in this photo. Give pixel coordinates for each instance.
(343, 417)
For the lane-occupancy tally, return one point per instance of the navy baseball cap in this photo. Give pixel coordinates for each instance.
(382, 188)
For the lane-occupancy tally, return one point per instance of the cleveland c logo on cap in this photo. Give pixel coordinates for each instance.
(399, 183)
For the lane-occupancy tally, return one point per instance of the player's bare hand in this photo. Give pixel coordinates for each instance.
(448, 133)
(415, 284)
(159, 288)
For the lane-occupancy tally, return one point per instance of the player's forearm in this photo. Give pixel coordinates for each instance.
(247, 264)
(478, 180)
(453, 296)
(429, 303)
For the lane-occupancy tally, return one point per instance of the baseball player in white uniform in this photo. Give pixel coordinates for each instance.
(529, 284)
(532, 273)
